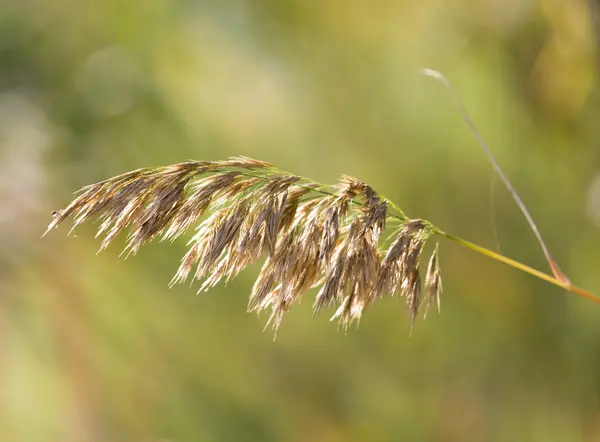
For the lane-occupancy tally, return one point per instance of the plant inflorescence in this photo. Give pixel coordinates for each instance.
(311, 235)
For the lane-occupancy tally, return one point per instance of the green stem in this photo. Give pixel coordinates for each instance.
(520, 266)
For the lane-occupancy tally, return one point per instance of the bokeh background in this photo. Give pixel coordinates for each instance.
(96, 348)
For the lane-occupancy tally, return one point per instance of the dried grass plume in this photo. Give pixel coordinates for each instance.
(242, 210)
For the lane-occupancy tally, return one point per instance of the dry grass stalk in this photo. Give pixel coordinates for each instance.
(244, 209)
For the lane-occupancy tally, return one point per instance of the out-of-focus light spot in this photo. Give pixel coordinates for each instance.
(593, 201)
(108, 82)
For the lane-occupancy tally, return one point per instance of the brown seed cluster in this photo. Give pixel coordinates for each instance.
(245, 209)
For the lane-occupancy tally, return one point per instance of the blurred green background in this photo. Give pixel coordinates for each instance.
(95, 348)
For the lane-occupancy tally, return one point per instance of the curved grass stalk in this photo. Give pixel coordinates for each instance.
(558, 273)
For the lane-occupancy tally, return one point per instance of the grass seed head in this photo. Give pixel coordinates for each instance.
(245, 209)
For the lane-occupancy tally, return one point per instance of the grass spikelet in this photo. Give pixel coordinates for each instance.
(433, 280)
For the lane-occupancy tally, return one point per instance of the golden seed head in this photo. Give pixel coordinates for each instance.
(245, 209)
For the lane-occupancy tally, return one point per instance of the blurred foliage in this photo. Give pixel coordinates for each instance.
(94, 348)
